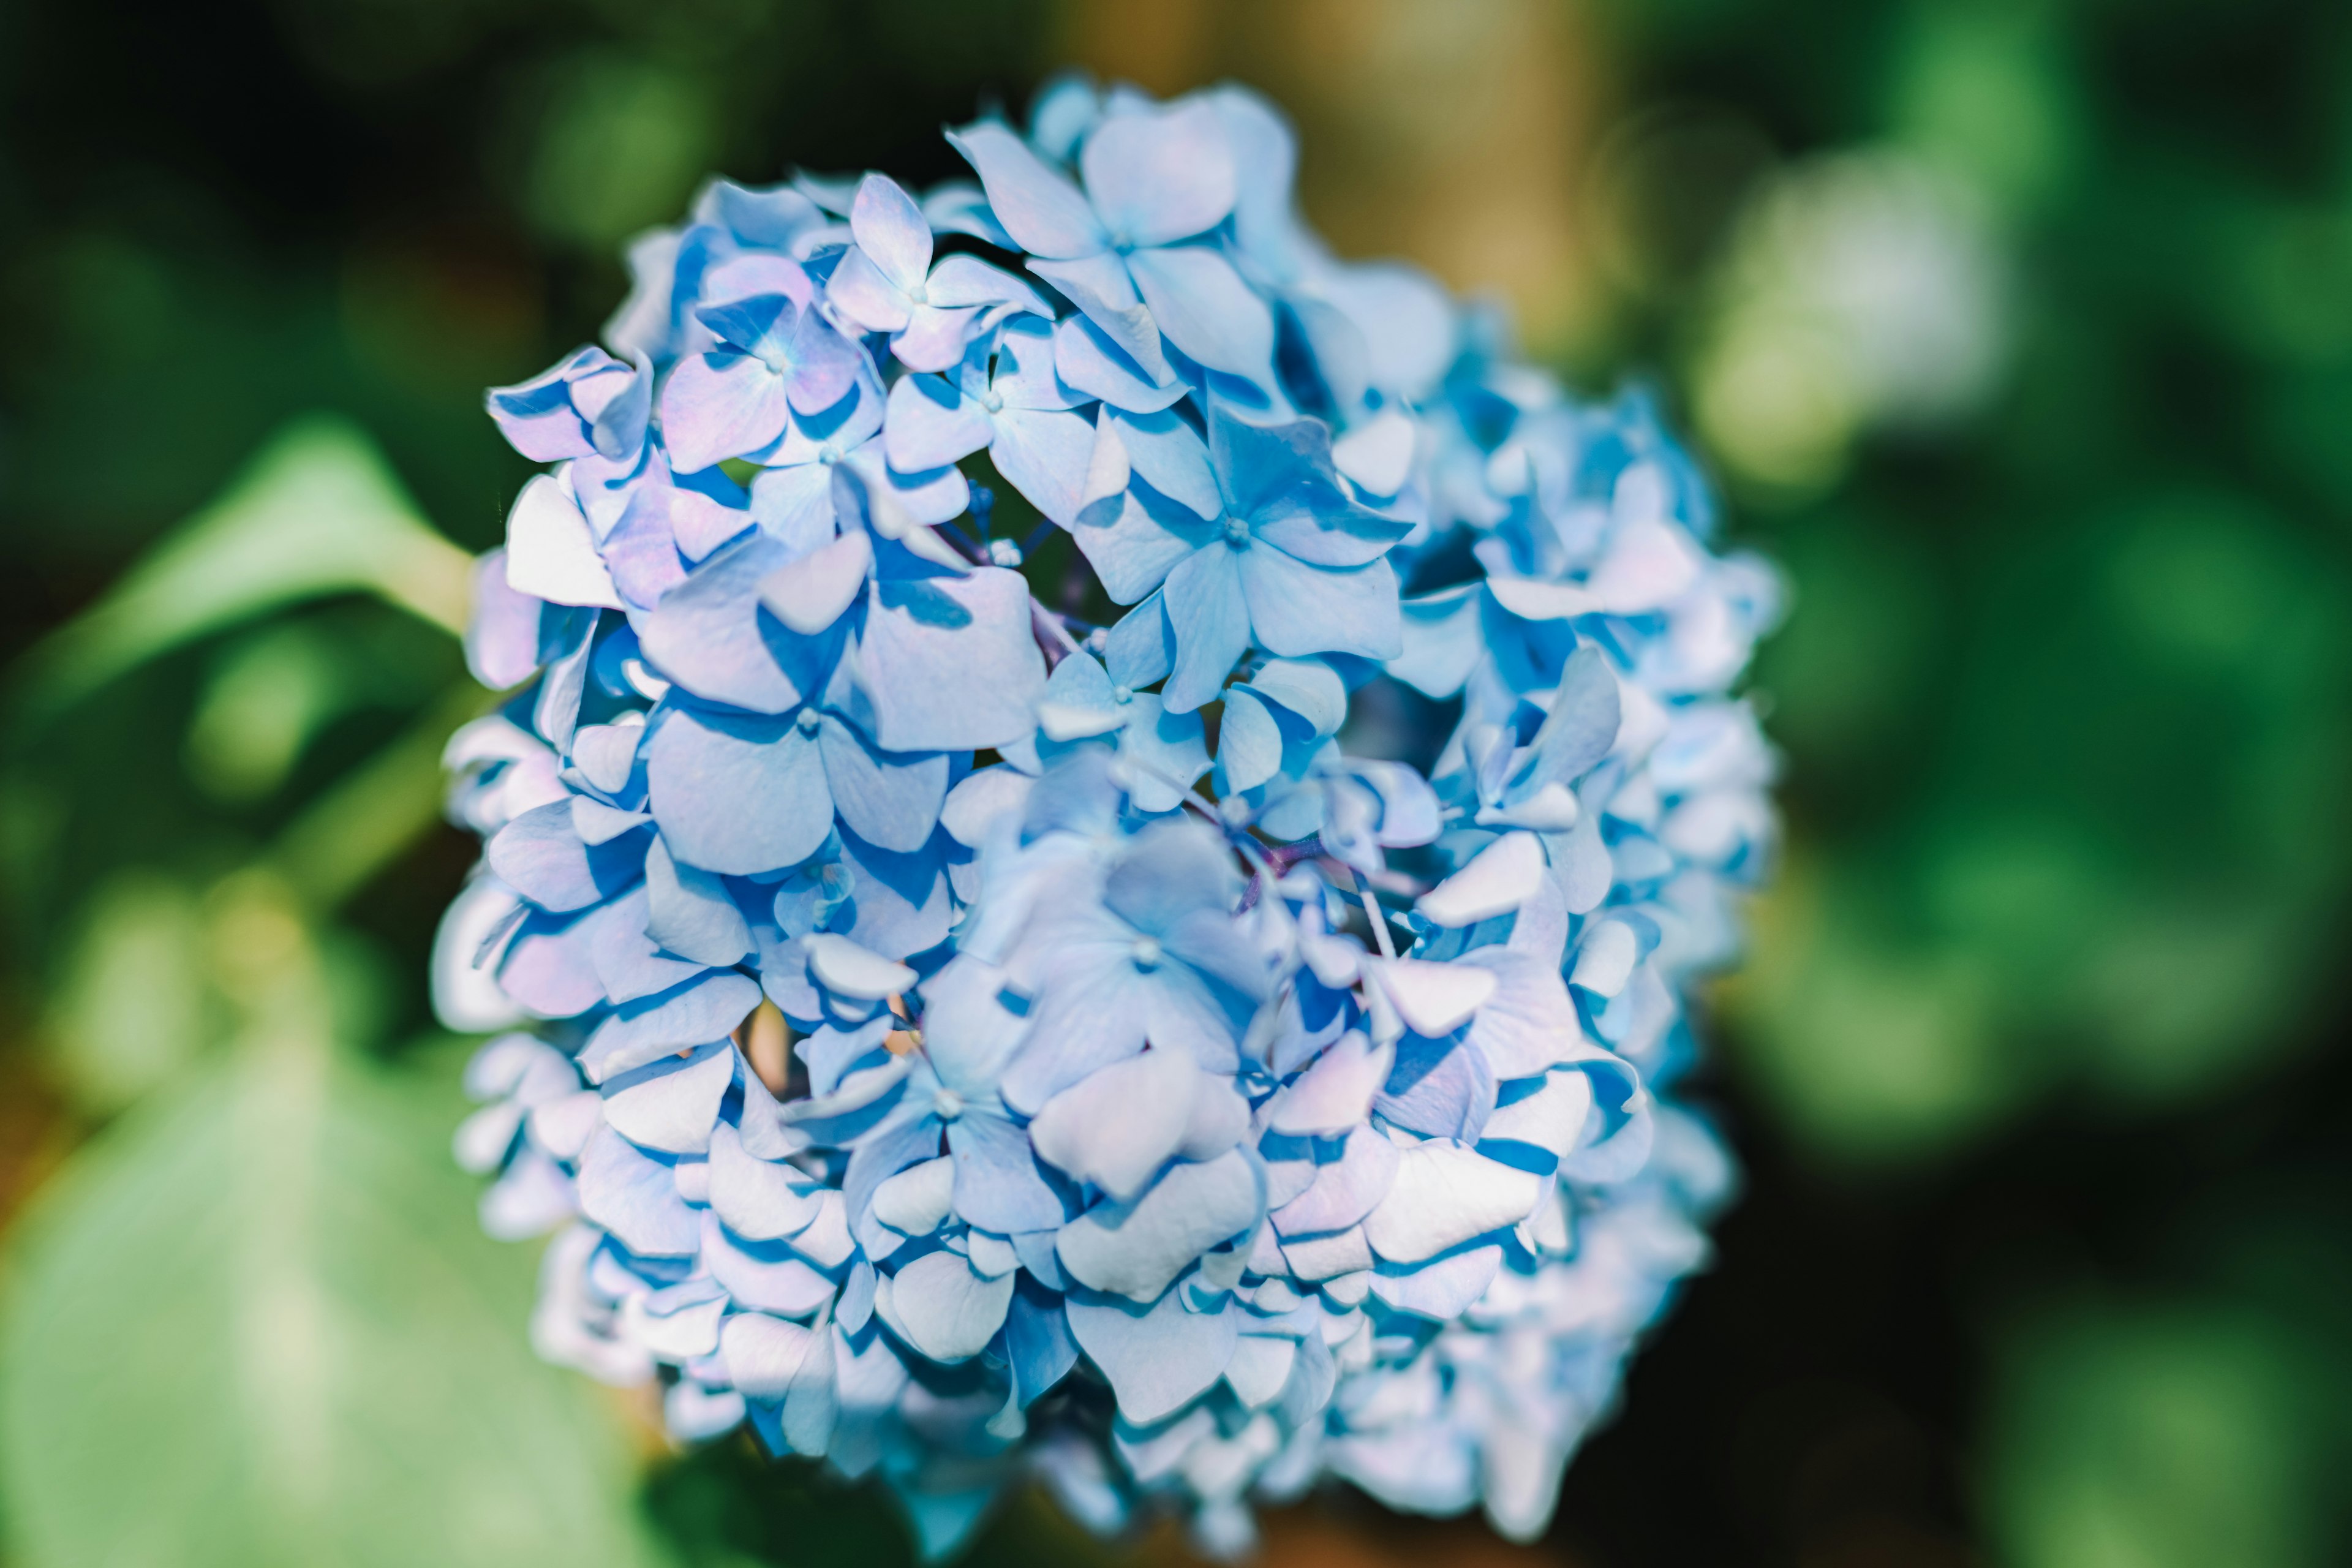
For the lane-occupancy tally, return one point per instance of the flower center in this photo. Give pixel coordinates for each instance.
(1122, 694)
(1145, 953)
(828, 453)
(992, 401)
(809, 720)
(920, 294)
(1237, 531)
(947, 1105)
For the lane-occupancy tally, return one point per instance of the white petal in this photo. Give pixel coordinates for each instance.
(1434, 999)
(1261, 1365)
(916, 1201)
(1443, 1194)
(1116, 1127)
(1137, 1249)
(550, 553)
(1504, 876)
(760, 1201)
(946, 1310)
(809, 595)
(1605, 959)
(762, 1353)
(1378, 453)
(849, 970)
(1335, 1093)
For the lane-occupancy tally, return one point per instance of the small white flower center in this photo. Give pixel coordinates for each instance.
(947, 1105)
(809, 720)
(1145, 953)
(992, 401)
(1237, 531)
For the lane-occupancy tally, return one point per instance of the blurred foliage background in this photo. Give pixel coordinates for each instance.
(2020, 330)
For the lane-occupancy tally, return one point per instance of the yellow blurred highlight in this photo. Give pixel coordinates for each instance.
(1452, 135)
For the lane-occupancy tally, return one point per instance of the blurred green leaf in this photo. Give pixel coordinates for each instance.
(254, 1323)
(260, 707)
(362, 824)
(132, 1009)
(316, 513)
(2158, 1438)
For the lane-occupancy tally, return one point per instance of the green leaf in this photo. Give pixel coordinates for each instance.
(372, 814)
(316, 512)
(2150, 1436)
(132, 1011)
(254, 1324)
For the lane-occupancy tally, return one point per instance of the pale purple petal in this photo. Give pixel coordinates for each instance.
(891, 230)
(1159, 176)
(738, 792)
(721, 404)
(932, 424)
(1042, 210)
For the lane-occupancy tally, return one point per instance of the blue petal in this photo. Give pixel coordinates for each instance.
(1137, 1249)
(1211, 622)
(1249, 744)
(767, 1278)
(1135, 547)
(628, 963)
(1438, 1088)
(689, 912)
(1141, 647)
(1042, 211)
(1295, 608)
(899, 903)
(1159, 176)
(671, 1105)
(1204, 308)
(1440, 641)
(1087, 360)
(738, 792)
(930, 424)
(540, 856)
(694, 1013)
(1307, 687)
(1168, 455)
(721, 404)
(1102, 287)
(1038, 1345)
(998, 1185)
(708, 636)
(1043, 454)
(1582, 723)
(945, 1309)
(889, 798)
(890, 229)
(633, 1197)
(1166, 753)
(950, 664)
(1158, 1359)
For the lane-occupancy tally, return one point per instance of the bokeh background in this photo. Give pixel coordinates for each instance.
(2020, 331)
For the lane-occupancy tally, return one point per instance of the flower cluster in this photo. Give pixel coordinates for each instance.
(966, 1043)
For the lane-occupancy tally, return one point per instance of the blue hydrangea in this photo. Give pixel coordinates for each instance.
(964, 1044)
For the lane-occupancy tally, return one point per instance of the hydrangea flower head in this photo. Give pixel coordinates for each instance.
(966, 1045)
